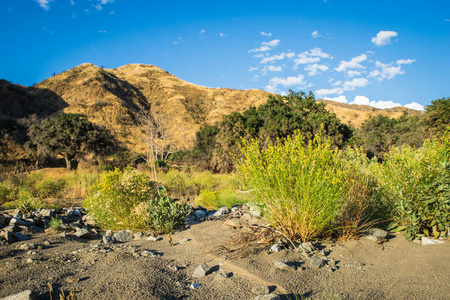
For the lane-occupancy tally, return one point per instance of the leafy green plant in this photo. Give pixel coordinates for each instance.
(119, 199)
(164, 214)
(219, 198)
(50, 188)
(414, 187)
(55, 223)
(300, 189)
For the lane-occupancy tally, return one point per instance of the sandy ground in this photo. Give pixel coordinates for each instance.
(396, 269)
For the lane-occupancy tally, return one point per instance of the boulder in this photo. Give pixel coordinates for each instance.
(107, 239)
(376, 234)
(123, 236)
(317, 262)
(202, 271)
(221, 211)
(428, 241)
(21, 236)
(200, 214)
(25, 295)
(83, 233)
(283, 266)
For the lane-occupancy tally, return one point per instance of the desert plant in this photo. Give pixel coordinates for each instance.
(164, 214)
(300, 189)
(414, 187)
(118, 200)
(55, 223)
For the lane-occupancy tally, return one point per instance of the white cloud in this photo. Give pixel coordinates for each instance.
(383, 38)
(258, 55)
(270, 68)
(290, 55)
(354, 63)
(266, 46)
(356, 82)
(314, 69)
(202, 31)
(102, 31)
(222, 34)
(98, 6)
(415, 105)
(310, 57)
(323, 92)
(72, 2)
(405, 61)
(44, 3)
(266, 34)
(341, 99)
(315, 34)
(352, 73)
(285, 82)
(363, 100)
(272, 58)
(251, 69)
(447, 20)
(386, 71)
(106, 1)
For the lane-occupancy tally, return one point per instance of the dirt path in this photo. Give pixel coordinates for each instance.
(365, 270)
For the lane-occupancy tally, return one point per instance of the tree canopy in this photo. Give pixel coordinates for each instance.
(437, 116)
(71, 136)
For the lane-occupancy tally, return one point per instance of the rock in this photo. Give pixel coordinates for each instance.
(21, 236)
(220, 276)
(376, 234)
(150, 253)
(107, 239)
(72, 279)
(25, 295)
(109, 233)
(46, 213)
(331, 262)
(261, 290)
(195, 285)
(267, 297)
(428, 241)
(200, 214)
(30, 260)
(190, 219)
(275, 248)
(317, 262)
(8, 235)
(123, 236)
(83, 233)
(17, 222)
(28, 246)
(246, 217)
(30, 222)
(152, 238)
(307, 246)
(254, 210)
(283, 266)
(235, 223)
(221, 211)
(2, 220)
(137, 235)
(184, 240)
(202, 271)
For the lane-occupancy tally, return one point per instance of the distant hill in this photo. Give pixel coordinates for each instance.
(114, 97)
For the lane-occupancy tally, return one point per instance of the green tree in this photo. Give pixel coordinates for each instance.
(71, 136)
(437, 116)
(379, 134)
(277, 119)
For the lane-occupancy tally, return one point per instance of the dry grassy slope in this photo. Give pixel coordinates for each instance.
(356, 114)
(113, 97)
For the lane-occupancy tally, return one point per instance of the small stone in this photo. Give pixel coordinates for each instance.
(83, 233)
(195, 285)
(123, 236)
(46, 212)
(46, 243)
(283, 266)
(246, 217)
(63, 235)
(275, 248)
(17, 222)
(202, 271)
(428, 241)
(261, 290)
(235, 223)
(30, 260)
(254, 210)
(331, 262)
(376, 234)
(108, 233)
(317, 262)
(149, 253)
(307, 246)
(137, 235)
(72, 279)
(173, 268)
(25, 295)
(2, 220)
(28, 246)
(200, 214)
(221, 211)
(152, 238)
(220, 276)
(21, 236)
(108, 239)
(184, 240)
(267, 297)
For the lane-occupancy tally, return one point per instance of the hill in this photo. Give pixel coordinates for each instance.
(114, 98)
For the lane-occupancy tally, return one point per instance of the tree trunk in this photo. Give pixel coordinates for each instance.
(68, 163)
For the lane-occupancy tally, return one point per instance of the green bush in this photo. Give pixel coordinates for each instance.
(8, 191)
(129, 200)
(219, 198)
(300, 189)
(50, 188)
(55, 223)
(414, 188)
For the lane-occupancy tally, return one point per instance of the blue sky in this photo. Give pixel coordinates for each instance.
(383, 53)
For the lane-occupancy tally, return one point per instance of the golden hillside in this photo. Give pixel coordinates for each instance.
(114, 97)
